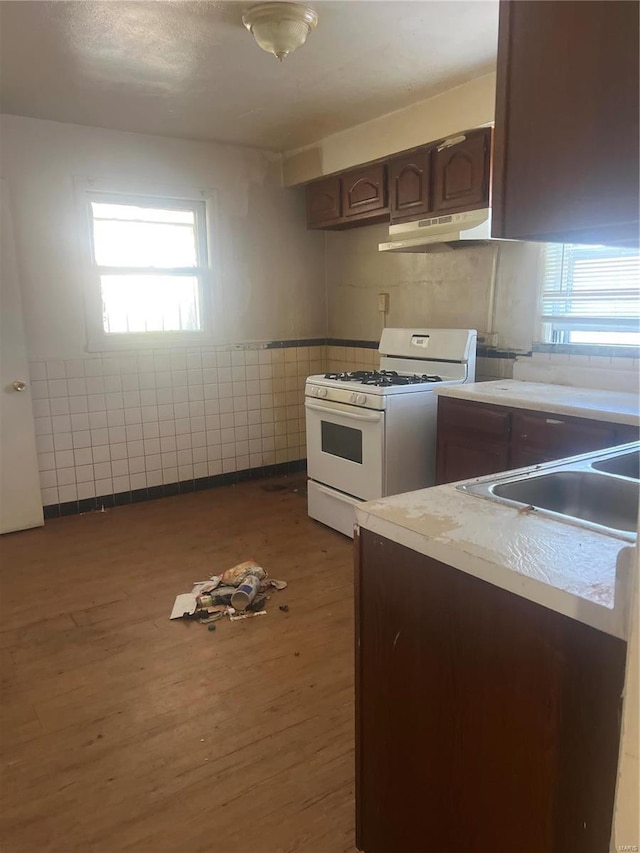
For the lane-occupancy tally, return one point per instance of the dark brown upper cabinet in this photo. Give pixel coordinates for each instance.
(566, 136)
(438, 178)
(365, 190)
(324, 202)
(410, 185)
(461, 172)
(348, 200)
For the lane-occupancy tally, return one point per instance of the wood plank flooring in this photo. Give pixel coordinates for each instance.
(123, 731)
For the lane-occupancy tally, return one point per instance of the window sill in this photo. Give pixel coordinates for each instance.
(588, 349)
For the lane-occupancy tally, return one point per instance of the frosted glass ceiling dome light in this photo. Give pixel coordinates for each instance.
(280, 28)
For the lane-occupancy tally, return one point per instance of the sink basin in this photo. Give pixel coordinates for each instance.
(597, 490)
(627, 465)
(592, 497)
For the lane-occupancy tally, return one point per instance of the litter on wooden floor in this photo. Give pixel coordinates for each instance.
(185, 603)
(235, 617)
(240, 592)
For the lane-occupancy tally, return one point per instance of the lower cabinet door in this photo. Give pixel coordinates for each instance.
(462, 459)
(484, 722)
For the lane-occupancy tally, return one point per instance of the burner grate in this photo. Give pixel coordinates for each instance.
(382, 378)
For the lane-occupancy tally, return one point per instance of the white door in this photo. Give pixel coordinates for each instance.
(20, 504)
(345, 448)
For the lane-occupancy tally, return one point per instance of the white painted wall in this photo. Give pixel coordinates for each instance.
(470, 105)
(449, 289)
(271, 270)
(136, 421)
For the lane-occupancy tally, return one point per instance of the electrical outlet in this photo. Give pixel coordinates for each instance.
(383, 303)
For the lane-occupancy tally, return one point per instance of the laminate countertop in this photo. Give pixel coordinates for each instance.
(582, 573)
(610, 406)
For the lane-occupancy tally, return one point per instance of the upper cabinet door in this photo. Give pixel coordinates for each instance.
(364, 190)
(323, 202)
(566, 138)
(461, 172)
(410, 185)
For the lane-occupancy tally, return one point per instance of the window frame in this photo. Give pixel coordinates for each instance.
(543, 321)
(202, 202)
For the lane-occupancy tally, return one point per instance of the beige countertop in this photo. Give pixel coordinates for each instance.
(611, 406)
(581, 573)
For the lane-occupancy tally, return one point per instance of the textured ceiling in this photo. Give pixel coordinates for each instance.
(190, 69)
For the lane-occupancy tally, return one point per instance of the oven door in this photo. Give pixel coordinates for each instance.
(345, 448)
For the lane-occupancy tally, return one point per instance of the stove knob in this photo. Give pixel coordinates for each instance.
(322, 392)
(360, 399)
(353, 397)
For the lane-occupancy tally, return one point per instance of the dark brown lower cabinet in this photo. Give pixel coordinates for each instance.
(461, 458)
(484, 722)
(476, 439)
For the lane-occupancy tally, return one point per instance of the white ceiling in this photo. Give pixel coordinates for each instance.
(190, 69)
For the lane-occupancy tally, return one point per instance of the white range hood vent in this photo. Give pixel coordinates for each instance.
(440, 233)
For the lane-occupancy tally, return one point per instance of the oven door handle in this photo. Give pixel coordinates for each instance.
(328, 410)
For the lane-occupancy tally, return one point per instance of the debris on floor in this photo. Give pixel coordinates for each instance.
(240, 592)
(184, 605)
(234, 617)
(237, 574)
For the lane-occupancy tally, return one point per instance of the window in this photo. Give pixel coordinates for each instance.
(591, 295)
(150, 266)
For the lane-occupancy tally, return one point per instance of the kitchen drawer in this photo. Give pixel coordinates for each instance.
(491, 422)
(556, 434)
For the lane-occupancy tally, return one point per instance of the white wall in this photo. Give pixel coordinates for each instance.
(271, 282)
(470, 105)
(123, 423)
(449, 289)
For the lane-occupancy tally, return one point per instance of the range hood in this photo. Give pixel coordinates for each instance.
(440, 233)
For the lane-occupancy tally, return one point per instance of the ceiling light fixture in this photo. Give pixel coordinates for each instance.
(280, 28)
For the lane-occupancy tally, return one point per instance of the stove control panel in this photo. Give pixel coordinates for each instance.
(344, 395)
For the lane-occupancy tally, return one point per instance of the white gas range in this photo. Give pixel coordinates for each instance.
(373, 433)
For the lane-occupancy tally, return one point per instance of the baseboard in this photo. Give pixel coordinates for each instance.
(170, 489)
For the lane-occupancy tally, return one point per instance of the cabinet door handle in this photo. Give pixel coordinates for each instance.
(449, 143)
(553, 422)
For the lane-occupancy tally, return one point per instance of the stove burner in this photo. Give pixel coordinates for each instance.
(382, 378)
(353, 376)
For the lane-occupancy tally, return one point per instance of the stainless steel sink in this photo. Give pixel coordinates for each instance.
(607, 501)
(599, 490)
(627, 465)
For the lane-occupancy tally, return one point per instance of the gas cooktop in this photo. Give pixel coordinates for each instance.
(382, 378)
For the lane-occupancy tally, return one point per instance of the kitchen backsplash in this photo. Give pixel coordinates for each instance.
(128, 422)
(341, 358)
(586, 371)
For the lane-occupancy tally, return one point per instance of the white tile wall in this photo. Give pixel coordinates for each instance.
(115, 423)
(352, 358)
(490, 369)
(613, 374)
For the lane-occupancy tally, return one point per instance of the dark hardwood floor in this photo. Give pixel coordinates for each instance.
(123, 731)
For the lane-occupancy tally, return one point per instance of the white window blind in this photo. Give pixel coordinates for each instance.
(591, 295)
